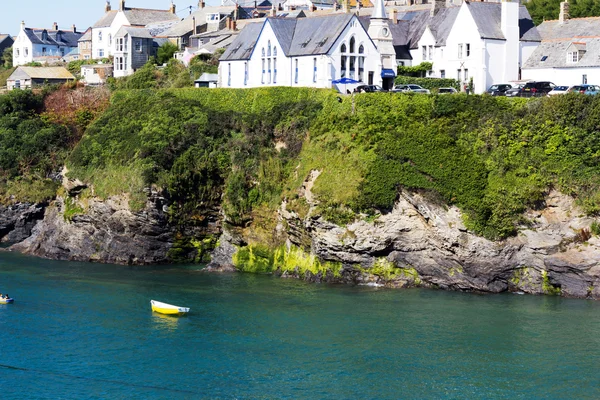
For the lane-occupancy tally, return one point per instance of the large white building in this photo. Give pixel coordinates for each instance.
(106, 28)
(569, 53)
(44, 45)
(483, 41)
(312, 52)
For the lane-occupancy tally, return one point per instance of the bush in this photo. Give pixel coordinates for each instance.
(428, 83)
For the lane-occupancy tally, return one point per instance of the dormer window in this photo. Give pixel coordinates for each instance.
(572, 57)
(575, 52)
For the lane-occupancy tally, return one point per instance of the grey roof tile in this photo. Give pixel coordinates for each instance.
(106, 20)
(143, 17)
(186, 25)
(53, 38)
(134, 32)
(244, 43)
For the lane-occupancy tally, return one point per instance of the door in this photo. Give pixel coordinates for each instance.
(371, 74)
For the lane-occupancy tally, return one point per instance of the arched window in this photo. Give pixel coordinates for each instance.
(352, 41)
(361, 62)
(274, 51)
(361, 49)
(343, 48)
(263, 51)
(274, 64)
(269, 48)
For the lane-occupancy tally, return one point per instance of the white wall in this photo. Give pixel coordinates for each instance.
(527, 49)
(22, 49)
(108, 34)
(231, 73)
(563, 76)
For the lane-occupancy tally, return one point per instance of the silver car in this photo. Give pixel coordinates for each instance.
(410, 88)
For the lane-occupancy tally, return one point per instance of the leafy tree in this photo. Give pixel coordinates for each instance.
(165, 52)
(541, 10)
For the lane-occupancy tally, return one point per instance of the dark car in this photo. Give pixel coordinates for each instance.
(515, 90)
(499, 90)
(534, 89)
(368, 89)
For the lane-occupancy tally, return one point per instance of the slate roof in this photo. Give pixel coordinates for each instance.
(3, 37)
(87, 36)
(134, 32)
(185, 26)
(41, 73)
(53, 38)
(297, 37)
(557, 39)
(207, 77)
(137, 16)
(243, 45)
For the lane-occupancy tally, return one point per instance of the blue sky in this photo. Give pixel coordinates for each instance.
(82, 13)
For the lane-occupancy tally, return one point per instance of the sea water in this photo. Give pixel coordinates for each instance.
(86, 331)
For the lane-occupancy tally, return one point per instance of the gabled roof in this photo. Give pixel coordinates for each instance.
(52, 37)
(297, 37)
(87, 36)
(136, 16)
(4, 37)
(41, 73)
(185, 26)
(558, 39)
(243, 45)
(134, 31)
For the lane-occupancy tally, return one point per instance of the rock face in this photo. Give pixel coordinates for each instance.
(427, 245)
(107, 232)
(18, 220)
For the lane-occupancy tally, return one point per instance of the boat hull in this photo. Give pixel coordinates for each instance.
(6, 301)
(168, 309)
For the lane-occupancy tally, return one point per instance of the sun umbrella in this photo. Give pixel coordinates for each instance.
(344, 81)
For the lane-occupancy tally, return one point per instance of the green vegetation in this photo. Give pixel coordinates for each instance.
(547, 287)
(541, 10)
(595, 228)
(6, 59)
(165, 52)
(5, 74)
(417, 75)
(416, 71)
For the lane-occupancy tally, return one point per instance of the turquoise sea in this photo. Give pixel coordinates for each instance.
(86, 331)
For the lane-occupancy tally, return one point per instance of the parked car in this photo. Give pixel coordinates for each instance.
(499, 89)
(410, 88)
(515, 90)
(533, 89)
(585, 89)
(558, 90)
(447, 90)
(368, 89)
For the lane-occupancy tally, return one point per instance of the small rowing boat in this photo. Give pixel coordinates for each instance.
(6, 301)
(168, 309)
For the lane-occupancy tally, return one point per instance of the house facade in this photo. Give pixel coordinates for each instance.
(44, 45)
(106, 28)
(85, 45)
(569, 53)
(301, 52)
(133, 47)
(486, 42)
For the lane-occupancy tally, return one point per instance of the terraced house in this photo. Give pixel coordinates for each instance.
(44, 45)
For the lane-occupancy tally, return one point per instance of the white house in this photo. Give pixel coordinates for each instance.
(106, 28)
(569, 53)
(43, 45)
(483, 41)
(302, 52)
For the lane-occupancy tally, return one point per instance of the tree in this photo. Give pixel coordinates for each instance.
(541, 10)
(7, 58)
(165, 52)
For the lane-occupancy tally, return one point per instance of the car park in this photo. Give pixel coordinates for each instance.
(585, 89)
(558, 90)
(534, 89)
(499, 89)
(410, 88)
(447, 90)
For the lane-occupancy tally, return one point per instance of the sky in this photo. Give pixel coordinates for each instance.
(82, 13)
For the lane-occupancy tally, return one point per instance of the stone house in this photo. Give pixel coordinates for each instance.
(85, 45)
(132, 49)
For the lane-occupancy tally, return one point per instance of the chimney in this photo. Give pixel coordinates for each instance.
(74, 28)
(436, 5)
(564, 12)
(55, 26)
(394, 16)
(172, 9)
(234, 25)
(358, 7)
(122, 7)
(107, 6)
(201, 4)
(273, 11)
(194, 25)
(509, 24)
(22, 25)
(345, 6)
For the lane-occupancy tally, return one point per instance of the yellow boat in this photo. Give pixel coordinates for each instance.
(168, 309)
(6, 301)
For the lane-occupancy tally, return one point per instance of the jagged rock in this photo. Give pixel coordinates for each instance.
(18, 220)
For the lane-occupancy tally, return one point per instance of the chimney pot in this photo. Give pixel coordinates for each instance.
(172, 9)
(122, 7)
(55, 26)
(107, 6)
(74, 28)
(22, 25)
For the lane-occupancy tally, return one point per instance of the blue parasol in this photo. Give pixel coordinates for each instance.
(344, 81)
